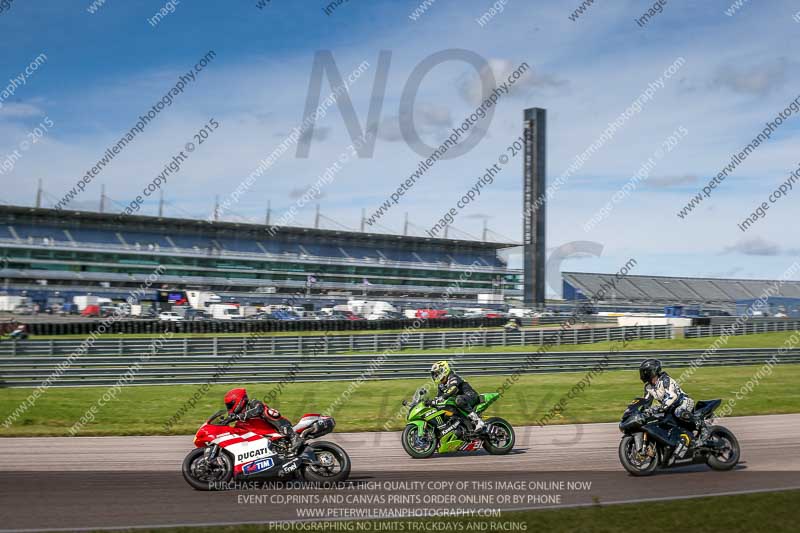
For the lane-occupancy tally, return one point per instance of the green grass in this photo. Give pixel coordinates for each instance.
(143, 410)
(745, 513)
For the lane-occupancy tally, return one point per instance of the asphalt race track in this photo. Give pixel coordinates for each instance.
(105, 482)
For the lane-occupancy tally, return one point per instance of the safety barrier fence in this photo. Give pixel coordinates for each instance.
(25, 363)
(745, 328)
(171, 369)
(257, 343)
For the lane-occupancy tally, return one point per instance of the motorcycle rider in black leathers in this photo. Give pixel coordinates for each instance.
(242, 408)
(451, 385)
(661, 387)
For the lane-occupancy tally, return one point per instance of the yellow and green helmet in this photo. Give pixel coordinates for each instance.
(440, 370)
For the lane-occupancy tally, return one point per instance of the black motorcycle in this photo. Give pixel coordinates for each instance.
(660, 439)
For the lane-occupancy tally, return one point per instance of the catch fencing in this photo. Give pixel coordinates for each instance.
(83, 326)
(139, 326)
(746, 328)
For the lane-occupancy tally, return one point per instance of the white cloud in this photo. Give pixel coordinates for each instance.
(471, 85)
(758, 79)
(754, 246)
(12, 110)
(428, 119)
(663, 182)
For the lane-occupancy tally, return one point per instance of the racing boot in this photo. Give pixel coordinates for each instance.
(294, 439)
(702, 429)
(480, 426)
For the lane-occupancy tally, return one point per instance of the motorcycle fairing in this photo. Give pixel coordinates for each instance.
(305, 421)
(486, 400)
(450, 441)
(246, 451)
(317, 425)
(706, 407)
(256, 467)
(426, 414)
(472, 446)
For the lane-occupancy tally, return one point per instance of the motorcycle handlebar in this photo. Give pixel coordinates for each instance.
(225, 420)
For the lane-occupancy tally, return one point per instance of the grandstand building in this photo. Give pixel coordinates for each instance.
(74, 253)
(664, 290)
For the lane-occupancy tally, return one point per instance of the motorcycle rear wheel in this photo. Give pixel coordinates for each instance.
(410, 441)
(506, 430)
(626, 447)
(193, 465)
(731, 445)
(334, 464)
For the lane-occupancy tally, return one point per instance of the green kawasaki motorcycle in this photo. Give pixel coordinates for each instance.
(446, 428)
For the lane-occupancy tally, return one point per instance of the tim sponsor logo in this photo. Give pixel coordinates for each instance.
(258, 466)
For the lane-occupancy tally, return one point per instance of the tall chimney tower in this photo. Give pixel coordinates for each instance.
(533, 206)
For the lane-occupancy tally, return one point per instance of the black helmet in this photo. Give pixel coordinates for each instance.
(649, 369)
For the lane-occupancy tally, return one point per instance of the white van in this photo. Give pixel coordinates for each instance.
(225, 311)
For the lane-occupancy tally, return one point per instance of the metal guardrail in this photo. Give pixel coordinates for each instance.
(329, 344)
(748, 328)
(170, 369)
(263, 358)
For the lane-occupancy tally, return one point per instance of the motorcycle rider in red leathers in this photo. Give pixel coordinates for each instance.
(257, 413)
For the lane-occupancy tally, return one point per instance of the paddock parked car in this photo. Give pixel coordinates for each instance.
(169, 316)
(280, 314)
(91, 311)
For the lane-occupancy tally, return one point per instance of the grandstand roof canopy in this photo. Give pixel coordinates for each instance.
(668, 289)
(240, 229)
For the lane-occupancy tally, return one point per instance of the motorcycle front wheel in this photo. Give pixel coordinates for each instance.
(206, 476)
(333, 464)
(416, 446)
(726, 453)
(635, 463)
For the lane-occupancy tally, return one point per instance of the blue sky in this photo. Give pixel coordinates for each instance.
(105, 69)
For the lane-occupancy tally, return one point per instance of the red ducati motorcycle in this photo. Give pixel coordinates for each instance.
(253, 450)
